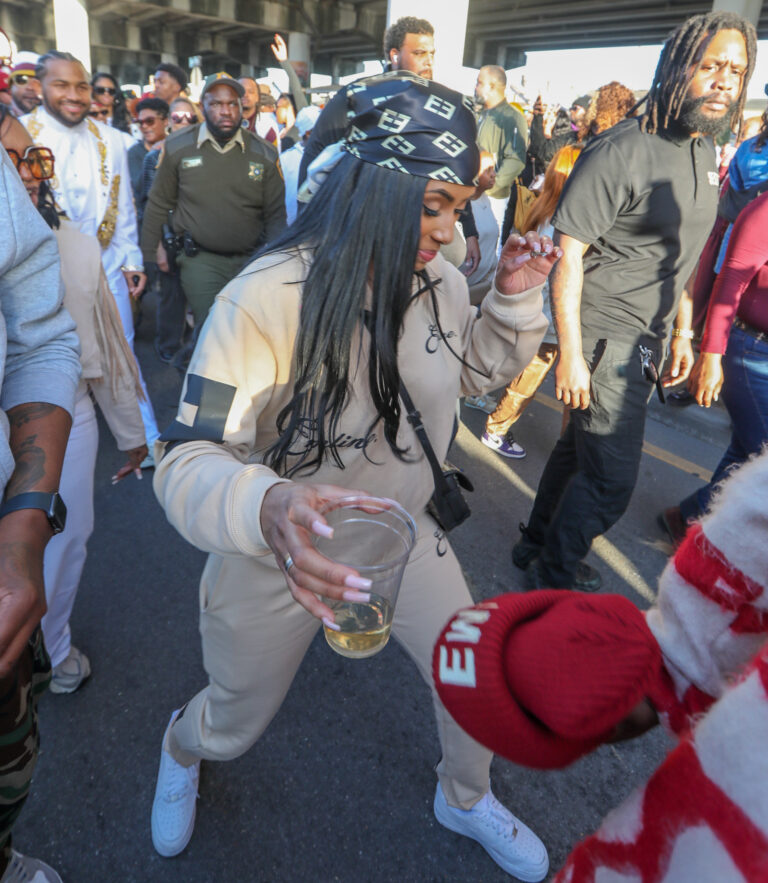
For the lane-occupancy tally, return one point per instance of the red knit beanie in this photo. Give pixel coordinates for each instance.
(544, 678)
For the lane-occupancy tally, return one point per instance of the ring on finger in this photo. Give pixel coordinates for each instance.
(288, 563)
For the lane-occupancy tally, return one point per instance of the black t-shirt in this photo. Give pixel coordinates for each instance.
(645, 205)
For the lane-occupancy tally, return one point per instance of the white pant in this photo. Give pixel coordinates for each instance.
(499, 209)
(122, 296)
(65, 553)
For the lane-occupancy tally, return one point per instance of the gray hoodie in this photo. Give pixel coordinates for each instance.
(38, 345)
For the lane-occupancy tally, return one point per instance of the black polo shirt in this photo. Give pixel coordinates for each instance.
(645, 205)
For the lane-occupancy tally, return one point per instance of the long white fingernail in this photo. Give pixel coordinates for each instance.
(322, 530)
(356, 597)
(357, 582)
(329, 623)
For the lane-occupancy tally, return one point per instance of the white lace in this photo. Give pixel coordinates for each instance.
(496, 816)
(178, 782)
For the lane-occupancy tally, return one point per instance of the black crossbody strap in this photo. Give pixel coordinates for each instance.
(414, 418)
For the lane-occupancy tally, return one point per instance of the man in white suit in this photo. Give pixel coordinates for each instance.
(92, 183)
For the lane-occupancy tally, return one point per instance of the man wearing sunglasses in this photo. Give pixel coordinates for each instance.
(92, 184)
(152, 116)
(25, 88)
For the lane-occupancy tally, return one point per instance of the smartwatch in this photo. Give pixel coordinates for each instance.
(51, 504)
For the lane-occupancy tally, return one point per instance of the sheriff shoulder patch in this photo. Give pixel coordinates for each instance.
(255, 171)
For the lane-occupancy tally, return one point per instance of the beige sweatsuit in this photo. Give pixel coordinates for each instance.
(212, 486)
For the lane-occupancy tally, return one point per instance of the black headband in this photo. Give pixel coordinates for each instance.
(403, 122)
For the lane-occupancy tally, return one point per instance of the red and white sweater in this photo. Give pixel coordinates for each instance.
(703, 815)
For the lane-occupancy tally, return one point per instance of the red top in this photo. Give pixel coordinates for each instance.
(741, 288)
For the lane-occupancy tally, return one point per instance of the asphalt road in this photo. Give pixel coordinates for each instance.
(340, 786)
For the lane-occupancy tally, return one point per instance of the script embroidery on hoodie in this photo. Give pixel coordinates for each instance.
(306, 439)
(433, 341)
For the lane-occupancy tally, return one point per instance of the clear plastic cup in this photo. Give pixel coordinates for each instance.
(375, 537)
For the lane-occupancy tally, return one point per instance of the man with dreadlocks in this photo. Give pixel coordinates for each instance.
(293, 394)
(632, 220)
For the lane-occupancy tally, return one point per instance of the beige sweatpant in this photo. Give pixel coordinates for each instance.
(255, 636)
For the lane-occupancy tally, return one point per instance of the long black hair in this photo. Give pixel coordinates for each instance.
(361, 227)
(682, 50)
(47, 207)
(762, 135)
(120, 118)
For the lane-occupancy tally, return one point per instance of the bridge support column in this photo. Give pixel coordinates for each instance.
(450, 24)
(298, 54)
(750, 9)
(70, 19)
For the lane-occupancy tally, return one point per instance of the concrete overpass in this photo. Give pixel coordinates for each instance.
(129, 37)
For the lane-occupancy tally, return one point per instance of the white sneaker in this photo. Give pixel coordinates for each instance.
(487, 404)
(174, 806)
(503, 444)
(509, 842)
(24, 869)
(67, 676)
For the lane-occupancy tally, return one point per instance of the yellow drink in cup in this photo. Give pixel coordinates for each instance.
(375, 537)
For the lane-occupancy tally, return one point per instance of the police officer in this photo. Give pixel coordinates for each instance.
(224, 188)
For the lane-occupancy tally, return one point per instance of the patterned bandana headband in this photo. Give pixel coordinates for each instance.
(405, 123)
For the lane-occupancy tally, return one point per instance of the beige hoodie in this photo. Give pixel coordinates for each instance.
(242, 373)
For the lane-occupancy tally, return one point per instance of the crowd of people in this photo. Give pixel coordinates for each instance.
(320, 345)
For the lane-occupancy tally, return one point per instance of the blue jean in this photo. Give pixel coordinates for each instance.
(745, 394)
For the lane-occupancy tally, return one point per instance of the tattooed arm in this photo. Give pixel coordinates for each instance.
(38, 437)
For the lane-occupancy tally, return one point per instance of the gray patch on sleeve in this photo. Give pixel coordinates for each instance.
(212, 401)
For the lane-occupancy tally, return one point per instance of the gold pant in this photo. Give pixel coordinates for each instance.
(521, 390)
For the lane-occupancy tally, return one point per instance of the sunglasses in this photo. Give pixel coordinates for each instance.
(185, 116)
(39, 161)
(147, 121)
(104, 90)
(99, 113)
(21, 79)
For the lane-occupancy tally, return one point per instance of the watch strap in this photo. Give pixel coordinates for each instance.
(51, 504)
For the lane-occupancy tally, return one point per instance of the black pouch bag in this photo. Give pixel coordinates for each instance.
(447, 504)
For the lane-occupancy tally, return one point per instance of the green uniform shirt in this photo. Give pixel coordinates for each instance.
(230, 199)
(503, 132)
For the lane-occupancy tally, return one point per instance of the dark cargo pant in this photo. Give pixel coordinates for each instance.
(204, 275)
(591, 473)
(19, 737)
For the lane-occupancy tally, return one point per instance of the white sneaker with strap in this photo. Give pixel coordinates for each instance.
(508, 841)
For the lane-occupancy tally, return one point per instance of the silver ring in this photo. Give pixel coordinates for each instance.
(287, 563)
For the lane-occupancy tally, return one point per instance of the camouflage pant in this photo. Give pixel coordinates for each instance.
(19, 737)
